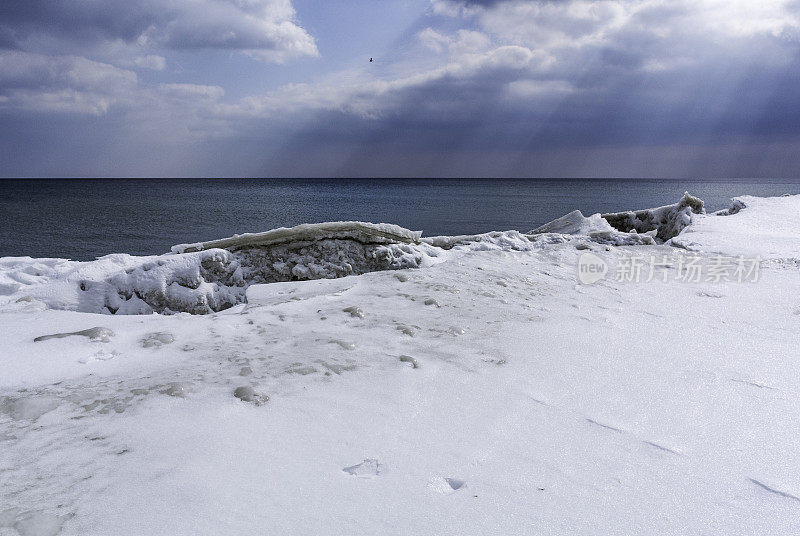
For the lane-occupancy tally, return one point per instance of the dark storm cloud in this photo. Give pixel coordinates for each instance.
(176, 24)
(501, 87)
(77, 20)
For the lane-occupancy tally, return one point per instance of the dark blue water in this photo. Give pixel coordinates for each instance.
(83, 219)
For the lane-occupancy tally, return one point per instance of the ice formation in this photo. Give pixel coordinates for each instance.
(203, 278)
(363, 232)
(212, 276)
(596, 228)
(668, 221)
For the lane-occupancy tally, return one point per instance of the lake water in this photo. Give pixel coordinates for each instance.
(83, 219)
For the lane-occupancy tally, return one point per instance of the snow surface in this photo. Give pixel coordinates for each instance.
(479, 390)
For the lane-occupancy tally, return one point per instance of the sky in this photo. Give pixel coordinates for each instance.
(456, 88)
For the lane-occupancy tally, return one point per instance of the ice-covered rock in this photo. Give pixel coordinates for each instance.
(668, 221)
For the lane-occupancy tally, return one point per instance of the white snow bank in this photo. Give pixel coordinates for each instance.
(668, 221)
(753, 227)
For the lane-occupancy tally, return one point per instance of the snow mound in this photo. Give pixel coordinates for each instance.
(668, 221)
(574, 223)
(494, 240)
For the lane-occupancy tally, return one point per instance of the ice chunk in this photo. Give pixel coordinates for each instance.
(97, 334)
(409, 359)
(668, 221)
(29, 408)
(354, 311)
(244, 393)
(157, 339)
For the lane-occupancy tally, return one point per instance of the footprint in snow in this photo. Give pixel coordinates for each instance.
(366, 469)
(446, 486)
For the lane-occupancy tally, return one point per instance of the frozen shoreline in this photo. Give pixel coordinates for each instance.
(213, 276)
(487, 392)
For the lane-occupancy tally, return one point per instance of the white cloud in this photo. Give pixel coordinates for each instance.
(61, 83)
(151, 61)
(182, 91)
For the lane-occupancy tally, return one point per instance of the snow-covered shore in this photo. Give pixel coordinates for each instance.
(466, 385)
